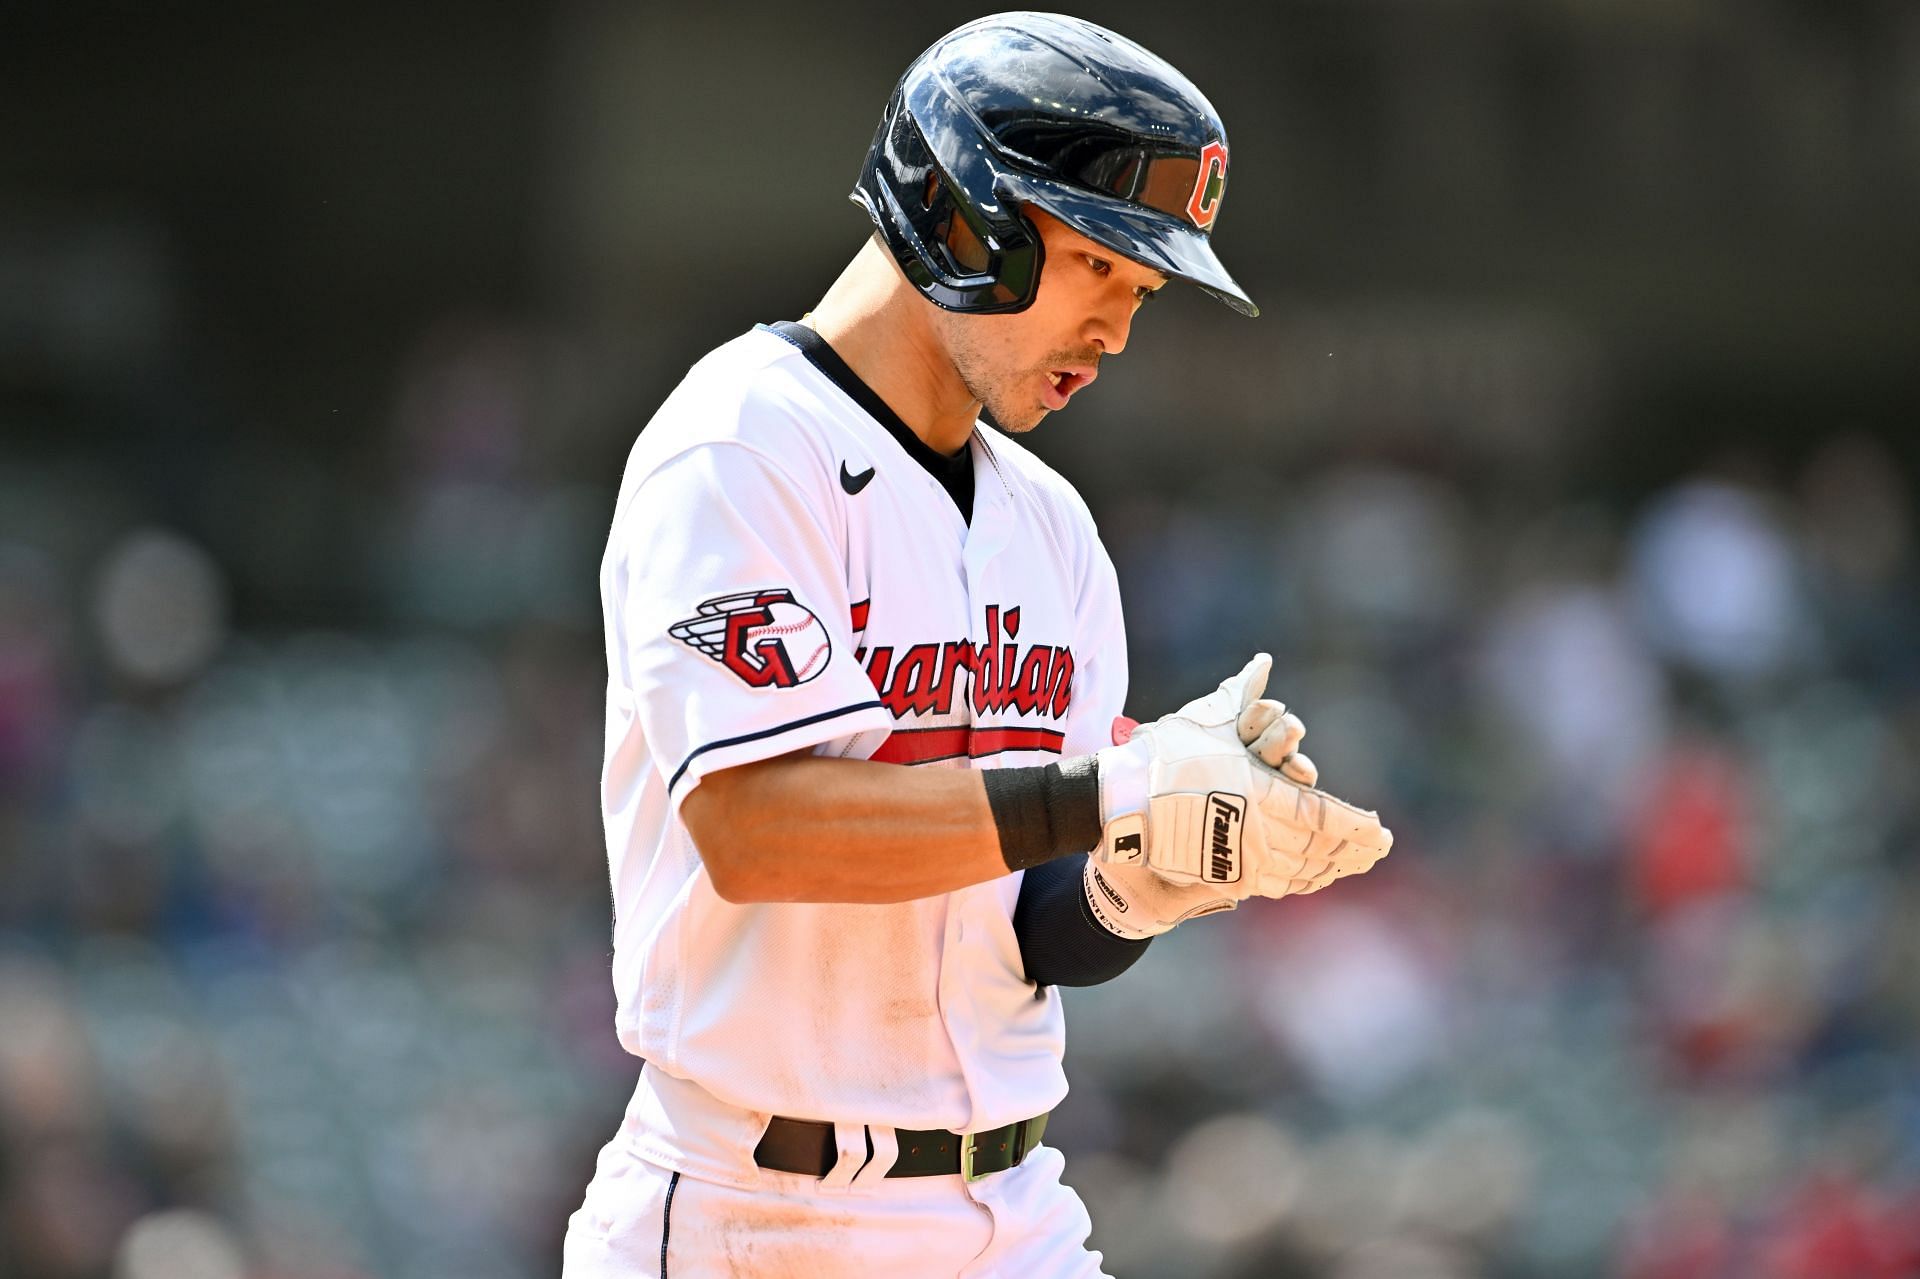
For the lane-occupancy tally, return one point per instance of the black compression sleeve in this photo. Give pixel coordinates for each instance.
(1061, 943)
(1045, 812)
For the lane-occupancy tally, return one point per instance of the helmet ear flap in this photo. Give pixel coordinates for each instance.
(953, 235)
(961, 255)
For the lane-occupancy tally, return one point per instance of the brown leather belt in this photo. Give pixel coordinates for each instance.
(808, 1146)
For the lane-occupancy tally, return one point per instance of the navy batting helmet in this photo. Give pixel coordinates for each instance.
(1041, 109)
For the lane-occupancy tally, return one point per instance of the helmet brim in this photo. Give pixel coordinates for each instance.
(1150, 238)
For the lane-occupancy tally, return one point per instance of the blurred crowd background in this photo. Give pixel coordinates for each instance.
(1570, 476)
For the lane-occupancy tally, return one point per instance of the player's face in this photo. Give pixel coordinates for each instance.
(1026, 365)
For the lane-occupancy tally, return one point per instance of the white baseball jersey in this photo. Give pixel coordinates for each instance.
(782, 574)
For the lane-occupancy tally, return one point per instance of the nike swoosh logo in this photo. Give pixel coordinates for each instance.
(854, 483)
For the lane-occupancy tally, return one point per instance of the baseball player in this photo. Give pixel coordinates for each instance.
(869, 798)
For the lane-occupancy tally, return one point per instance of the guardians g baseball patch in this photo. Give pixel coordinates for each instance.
(768, 638)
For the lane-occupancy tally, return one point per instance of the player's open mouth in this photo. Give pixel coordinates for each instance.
(1062, 383)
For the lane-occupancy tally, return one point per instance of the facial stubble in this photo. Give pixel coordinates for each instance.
(975, 369)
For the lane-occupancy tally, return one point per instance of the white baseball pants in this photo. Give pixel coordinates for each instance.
(640, 1218)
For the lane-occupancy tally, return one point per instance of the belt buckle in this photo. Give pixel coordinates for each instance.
(967, 1144)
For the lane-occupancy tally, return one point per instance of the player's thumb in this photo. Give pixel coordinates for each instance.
(1245, 688)
(1235, 693)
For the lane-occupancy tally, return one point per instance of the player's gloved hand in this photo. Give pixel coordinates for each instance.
(1272, 733)
(1134, 902)
(1268, 729)
(1191, 798)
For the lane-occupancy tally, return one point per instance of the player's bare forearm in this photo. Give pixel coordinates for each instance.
(802, 828)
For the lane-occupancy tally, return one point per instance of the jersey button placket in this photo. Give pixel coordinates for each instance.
(956, 1004)
(963, 1016)
(987, 535)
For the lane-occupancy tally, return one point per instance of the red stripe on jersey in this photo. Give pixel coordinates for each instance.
(860, 616)
(925, 745)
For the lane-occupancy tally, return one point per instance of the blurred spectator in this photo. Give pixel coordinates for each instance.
(1716, 582)
(160, 607)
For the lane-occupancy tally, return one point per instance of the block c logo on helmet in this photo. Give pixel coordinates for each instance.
(1204, 205)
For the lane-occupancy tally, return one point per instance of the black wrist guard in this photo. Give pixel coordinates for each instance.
(1045, 812)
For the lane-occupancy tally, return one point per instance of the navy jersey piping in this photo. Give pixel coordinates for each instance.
(666, 1223)
(698, 751)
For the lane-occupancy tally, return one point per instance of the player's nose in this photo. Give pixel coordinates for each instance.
(1109, 328)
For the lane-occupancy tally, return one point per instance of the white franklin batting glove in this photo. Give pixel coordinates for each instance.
(1273, 734)
(1135, 903)
(1191, 798)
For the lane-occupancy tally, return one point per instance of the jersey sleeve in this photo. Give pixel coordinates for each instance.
(734, 629)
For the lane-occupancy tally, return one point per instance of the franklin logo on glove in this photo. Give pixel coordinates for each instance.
(1223, 854)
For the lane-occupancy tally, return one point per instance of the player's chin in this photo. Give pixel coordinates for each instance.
(1014, 417)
